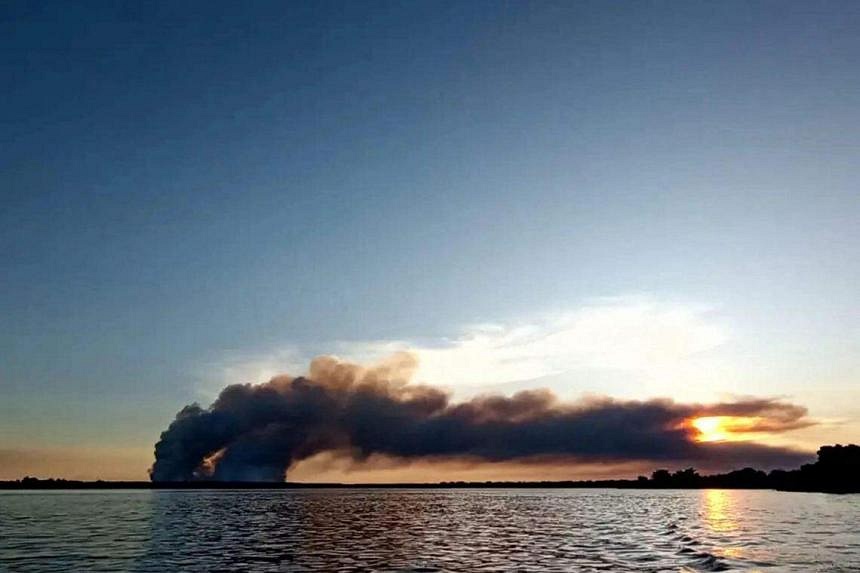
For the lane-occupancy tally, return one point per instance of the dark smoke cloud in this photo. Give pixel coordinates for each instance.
(255, 432)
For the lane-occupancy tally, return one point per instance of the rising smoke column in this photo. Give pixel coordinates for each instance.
(255, 432)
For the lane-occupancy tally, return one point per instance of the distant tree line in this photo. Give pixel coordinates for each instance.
(837, 470)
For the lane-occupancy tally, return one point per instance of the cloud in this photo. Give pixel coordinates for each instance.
(632, 335)
(619, 335)
(256, 432)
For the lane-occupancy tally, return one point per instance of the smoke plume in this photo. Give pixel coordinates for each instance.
(255, 432)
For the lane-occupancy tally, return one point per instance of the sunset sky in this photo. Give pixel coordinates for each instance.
(636, 200)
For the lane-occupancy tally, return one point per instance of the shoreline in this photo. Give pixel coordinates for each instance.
(74, 485)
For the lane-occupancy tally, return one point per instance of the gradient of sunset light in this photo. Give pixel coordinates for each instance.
(654, 200)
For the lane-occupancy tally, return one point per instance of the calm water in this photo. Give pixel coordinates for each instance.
(428, 530)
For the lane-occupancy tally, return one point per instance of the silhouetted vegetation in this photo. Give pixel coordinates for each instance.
(837, 470)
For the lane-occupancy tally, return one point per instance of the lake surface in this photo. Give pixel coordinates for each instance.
(428, 530)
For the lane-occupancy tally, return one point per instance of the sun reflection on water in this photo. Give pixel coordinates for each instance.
(716, 505)
(718, 510)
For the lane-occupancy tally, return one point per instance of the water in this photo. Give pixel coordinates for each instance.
(428, 530)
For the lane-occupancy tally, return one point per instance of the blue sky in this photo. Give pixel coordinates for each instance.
(198, 191)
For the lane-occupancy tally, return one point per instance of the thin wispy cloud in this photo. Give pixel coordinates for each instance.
(639, 336)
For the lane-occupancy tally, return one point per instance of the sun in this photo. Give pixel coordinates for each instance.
(726, 428)
(711, 428)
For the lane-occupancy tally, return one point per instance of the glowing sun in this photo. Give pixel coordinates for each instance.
(712, 428)
(722, 428)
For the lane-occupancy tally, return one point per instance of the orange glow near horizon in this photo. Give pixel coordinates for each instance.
(721, 428)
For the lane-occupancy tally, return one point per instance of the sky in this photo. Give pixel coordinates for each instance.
(639, 200)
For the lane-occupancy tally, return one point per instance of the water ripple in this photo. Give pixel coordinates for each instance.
(427, 530)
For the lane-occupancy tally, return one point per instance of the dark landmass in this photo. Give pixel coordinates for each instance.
(837, 470)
